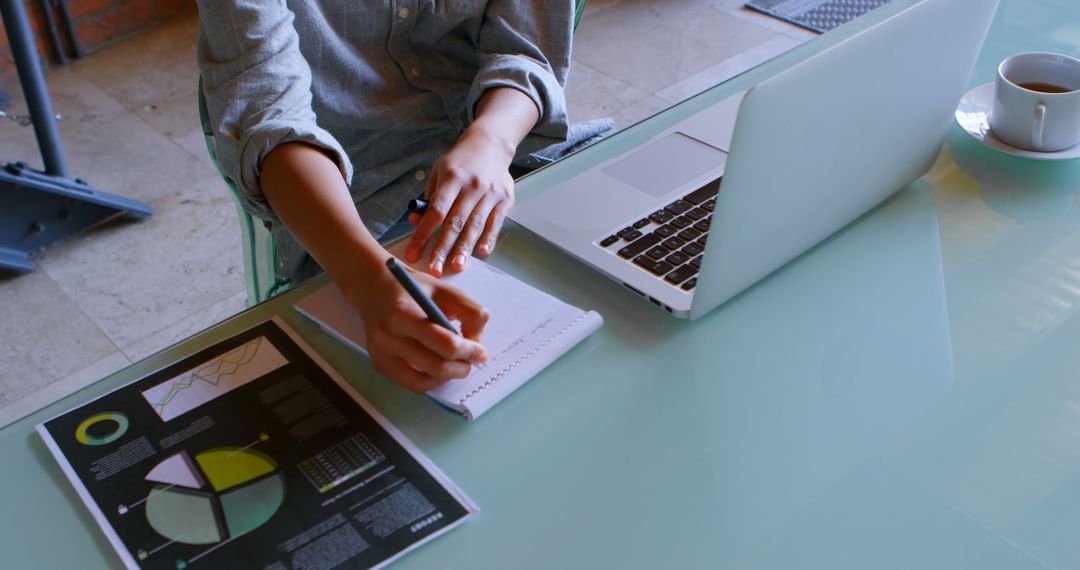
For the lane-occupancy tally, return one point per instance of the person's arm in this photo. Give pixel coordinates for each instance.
(306, 190)
(258, 92)
(525, 47)
(257, 87)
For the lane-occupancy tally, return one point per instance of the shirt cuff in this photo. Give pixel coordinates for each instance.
(259, 141)
(534, 80)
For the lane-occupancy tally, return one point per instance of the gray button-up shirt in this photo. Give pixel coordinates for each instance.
(385, 86)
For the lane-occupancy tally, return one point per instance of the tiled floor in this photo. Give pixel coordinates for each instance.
(123, 292)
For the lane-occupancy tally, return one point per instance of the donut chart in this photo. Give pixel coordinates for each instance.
(220, 494)
(101, 429)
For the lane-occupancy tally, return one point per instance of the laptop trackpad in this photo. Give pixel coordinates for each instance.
(667, 164)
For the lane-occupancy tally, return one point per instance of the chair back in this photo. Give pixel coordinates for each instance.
(260, 258)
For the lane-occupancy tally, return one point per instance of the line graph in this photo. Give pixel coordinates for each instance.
(220, 375)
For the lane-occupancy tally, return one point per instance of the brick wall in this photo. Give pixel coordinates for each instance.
(97, 23)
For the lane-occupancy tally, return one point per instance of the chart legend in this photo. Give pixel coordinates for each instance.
(341, 463)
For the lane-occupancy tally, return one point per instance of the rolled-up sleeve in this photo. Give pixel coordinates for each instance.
(526, 46)
(257, 87)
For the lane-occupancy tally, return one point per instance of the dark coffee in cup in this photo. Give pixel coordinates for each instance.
(1044, 87)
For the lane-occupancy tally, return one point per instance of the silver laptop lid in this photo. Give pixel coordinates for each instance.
(825, 141)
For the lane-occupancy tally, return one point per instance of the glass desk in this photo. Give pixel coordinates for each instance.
(905, 395)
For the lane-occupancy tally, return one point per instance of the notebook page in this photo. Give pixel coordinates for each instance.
(523, 319)
(521, 359)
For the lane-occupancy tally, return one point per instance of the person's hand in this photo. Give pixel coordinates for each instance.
(405, 345)
(470, 192)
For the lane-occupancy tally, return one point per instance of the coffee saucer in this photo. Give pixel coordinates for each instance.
(973, 115)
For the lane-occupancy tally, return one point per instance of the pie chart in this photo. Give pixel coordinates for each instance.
(102, 428)
(222, 493)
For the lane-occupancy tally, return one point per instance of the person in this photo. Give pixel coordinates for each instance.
(329, 116)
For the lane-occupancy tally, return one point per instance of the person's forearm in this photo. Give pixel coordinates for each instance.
(305, 188)
(505, 115)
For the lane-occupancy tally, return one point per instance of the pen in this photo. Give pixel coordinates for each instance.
(419, 296)
(418, 206)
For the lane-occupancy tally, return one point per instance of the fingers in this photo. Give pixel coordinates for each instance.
(421, 355)
(410, 349)
(469, 208)
(460, 307)
(424, 360)
(443, 199)
(466, 241)
(401, 372)
(409, 320)
(494, 224)
(459, 220)
(441, 342)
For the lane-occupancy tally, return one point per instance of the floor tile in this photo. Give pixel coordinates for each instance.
(591, 94)
(44, 336)
(801, 34)
(652, 45)
(135, 279)
(195, 144)
(129, 157)
(17, 144)
(759, 19)
(174, 114)
(116, 151)
(726, 5)
(80, 103)
(177, 117)
(594, 6)
(148, 67)
(62, 388)
(74, 97)
(186, 327)
(727, 69)
(738, 9)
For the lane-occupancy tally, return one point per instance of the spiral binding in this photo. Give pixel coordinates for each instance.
(520, 359)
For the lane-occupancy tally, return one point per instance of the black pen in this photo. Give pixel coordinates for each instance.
(419, 296)
(418, 205)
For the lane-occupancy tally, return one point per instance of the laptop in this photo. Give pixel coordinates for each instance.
(696, 214)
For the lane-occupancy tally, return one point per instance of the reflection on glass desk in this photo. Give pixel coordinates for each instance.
(905, 395)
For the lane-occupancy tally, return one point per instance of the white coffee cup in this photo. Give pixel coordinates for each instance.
(1037, 102)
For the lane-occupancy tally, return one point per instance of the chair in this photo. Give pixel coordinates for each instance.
(260, 257)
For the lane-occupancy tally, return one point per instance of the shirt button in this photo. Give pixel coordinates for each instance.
(419, 175)
(404, 13)
(414, 71)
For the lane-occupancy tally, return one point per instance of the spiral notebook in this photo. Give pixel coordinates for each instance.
(528, 330)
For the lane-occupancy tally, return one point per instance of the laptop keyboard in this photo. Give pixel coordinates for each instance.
(669, 242)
